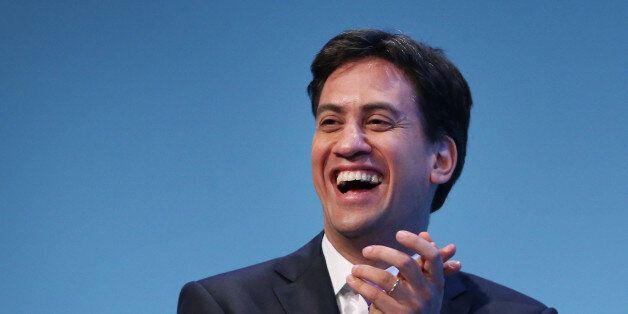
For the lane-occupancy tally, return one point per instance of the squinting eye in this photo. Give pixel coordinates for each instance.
(328, 121)
(379, 124)
(379, 121)
(329, 124)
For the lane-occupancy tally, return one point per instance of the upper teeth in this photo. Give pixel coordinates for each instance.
(345, 176)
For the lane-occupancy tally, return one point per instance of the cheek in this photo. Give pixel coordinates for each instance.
(408, 158)
(319, 159)
(320, 151)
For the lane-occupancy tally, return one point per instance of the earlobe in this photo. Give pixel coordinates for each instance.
(446, 156)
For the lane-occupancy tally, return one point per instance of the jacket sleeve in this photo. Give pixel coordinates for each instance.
(195, 299)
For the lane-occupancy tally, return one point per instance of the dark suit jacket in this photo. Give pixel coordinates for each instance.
(299, 283)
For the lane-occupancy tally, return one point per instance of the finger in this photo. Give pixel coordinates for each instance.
(451, 267)
(408, 267)
(433, 265)
(373, 309)
(446, 252)
(426, 236)
(378, 297)
(383, 279)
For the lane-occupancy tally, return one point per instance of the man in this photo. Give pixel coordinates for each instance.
(391, 129)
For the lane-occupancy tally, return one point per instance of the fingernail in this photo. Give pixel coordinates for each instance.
(453, 263)
(404, 234)
(354, 268)
(367, 250)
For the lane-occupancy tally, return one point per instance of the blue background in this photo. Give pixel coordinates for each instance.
(146, 144)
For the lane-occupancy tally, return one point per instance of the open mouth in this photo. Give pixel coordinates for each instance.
(357, 181)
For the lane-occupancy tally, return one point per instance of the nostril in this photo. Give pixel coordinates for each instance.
(352, 155)
(352, 145)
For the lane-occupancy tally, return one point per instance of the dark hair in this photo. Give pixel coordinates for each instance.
(444, 98)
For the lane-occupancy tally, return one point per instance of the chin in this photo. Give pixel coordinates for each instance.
(354, 226)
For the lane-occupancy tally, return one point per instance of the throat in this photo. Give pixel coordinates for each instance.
(350, 247)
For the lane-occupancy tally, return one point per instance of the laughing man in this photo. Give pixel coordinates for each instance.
(391, 116)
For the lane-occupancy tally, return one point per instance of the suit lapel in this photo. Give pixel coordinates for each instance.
(453, 299)
(308, 288)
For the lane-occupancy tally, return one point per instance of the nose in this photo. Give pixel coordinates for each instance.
(352, 143)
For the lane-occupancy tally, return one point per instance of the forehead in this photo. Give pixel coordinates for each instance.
(366, 81)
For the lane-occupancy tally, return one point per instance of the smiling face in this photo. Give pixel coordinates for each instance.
(371, 162)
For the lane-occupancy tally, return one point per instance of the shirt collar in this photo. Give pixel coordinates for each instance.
(338, 266)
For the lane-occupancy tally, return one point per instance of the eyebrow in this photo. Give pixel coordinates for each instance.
(370, 107)
(328, 107)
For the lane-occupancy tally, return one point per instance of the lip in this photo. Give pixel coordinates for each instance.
(359, 196)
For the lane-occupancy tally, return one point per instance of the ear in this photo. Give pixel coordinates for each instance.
(446, 157)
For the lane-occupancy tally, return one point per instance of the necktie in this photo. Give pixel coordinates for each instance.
(352, 303)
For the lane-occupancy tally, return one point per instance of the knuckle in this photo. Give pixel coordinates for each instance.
(377, 296)
(431, 254)
(357, 270)
(408, 262)
(373, 295)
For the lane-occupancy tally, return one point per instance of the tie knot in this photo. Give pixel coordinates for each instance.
(352, 303)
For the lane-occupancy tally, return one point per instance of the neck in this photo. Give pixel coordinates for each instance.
(350, 247)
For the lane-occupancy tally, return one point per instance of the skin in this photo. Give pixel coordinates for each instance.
(368, 120)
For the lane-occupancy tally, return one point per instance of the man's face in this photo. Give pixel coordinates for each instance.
(371, 161)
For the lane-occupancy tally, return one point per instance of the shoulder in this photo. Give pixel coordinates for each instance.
(249, 289)
(269, 273)
(239, 291)
(250, 277)
(483, 296)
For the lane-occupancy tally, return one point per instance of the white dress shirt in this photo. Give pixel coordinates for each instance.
(339, 268)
